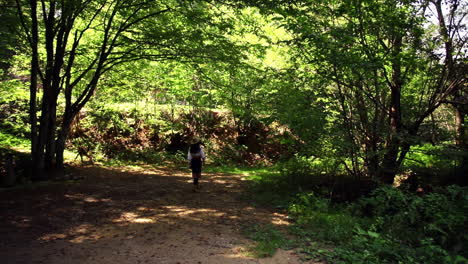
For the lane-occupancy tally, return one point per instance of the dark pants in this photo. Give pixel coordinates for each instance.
(196, 165)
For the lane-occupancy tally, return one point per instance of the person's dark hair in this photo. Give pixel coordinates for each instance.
(195, 148)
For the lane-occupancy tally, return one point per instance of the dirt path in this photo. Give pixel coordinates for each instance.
(131, 216)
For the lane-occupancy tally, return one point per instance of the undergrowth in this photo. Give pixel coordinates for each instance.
(389, 225)
(8, 140)
(268, 239)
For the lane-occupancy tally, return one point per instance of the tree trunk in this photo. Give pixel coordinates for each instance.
(50, 137)
(389, 168)
(46, 140)
(39, 155)
(33, 84)
(461, 142)
(460, 138)
(61, 142)
(389, 165)
(63, 136)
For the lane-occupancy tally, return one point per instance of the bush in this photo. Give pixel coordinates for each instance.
(319, 217)
(437, 165)
(432, 157)
(307, 172)
(14, 107)
(370, 246)
(437, 219)
(388, 226)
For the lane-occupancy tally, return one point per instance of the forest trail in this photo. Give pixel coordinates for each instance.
(132, 215)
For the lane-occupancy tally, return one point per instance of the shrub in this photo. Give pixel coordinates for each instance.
(388, 226)
(439, 217)
(437, 165)
(317, 215)
(307, 171)
(14, 108)
(370, 246)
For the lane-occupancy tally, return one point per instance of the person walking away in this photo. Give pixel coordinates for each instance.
(196, 158)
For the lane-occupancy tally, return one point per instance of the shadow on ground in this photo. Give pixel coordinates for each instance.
(125, 215)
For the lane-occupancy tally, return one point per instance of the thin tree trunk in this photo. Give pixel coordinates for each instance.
(50, 136)
(389, 163)
(461, 142)
(47, 98)
(33, 84)
(61, 143)
(460, 138)
(63, 136)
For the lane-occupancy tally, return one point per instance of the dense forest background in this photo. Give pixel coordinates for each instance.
(343, 101)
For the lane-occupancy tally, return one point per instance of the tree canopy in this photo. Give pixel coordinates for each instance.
(353, 81)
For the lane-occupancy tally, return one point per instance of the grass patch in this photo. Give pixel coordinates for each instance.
(268, 239)
(231, 169)
(262, 190)
(13, 142)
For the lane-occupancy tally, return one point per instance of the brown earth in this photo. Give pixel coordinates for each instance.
(132, 215)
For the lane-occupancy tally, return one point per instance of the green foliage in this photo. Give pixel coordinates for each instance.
(320, 219)
(138, 131)
(369, 246)
(305, 172)
(398, 227)
(248, 171)
(300, 103)
(10, 35)
(231, 154)
(14, 108)
(120, 132)
(268, 239)
(388, 226)
(305, 71)
(306, 204)
(438, 216)
(435, 164)
(348, 57)
(433, 157)
(9, 141)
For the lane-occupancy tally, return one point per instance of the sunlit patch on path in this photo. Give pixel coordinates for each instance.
(132, 215)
